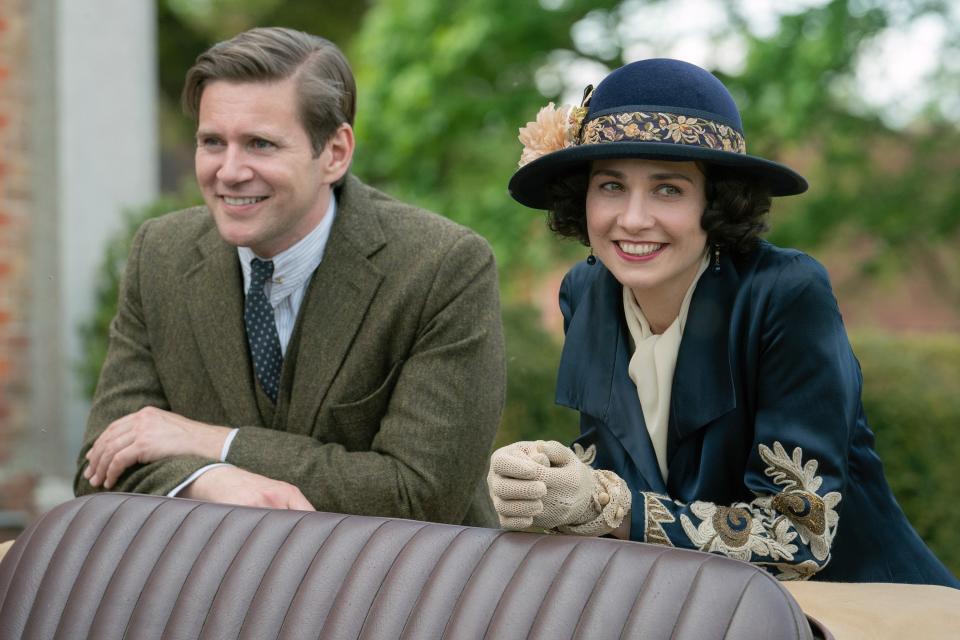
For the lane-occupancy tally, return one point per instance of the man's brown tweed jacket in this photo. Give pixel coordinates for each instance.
(393, 382)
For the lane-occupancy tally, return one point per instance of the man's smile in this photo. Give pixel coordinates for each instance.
(236, 201)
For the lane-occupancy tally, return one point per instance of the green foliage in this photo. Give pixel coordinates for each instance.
(179, 42)
(533, 356)
(912, 399)
(797, 99)
(94, 333)
(444, 89)
(185, 28)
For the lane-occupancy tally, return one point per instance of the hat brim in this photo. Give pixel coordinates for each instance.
(530, 184)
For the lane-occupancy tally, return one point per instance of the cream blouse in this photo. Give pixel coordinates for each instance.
(651, 367)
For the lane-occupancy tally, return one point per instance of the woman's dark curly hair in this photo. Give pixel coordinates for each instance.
(735, 216)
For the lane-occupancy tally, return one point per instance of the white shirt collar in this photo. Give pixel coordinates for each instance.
(293, 266)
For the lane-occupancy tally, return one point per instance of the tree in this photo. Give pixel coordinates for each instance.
(445, 88)
(897, 186)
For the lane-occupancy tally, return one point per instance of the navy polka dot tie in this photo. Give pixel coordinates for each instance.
(262, 330)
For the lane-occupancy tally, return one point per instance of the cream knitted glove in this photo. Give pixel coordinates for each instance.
(516, 492)
(545, 485)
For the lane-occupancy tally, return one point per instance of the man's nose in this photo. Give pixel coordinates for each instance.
(234, 167)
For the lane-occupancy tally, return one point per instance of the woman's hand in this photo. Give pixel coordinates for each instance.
(515, 484)
(545, 485)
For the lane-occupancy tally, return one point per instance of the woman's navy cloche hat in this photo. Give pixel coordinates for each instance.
(658, 109)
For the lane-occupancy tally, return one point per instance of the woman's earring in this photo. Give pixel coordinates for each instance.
(716, 258)
(591, 259)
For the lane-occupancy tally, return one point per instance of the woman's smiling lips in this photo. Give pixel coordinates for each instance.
(639, 251)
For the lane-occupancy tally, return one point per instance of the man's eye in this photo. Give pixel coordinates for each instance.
(260, 143)
(209, 142)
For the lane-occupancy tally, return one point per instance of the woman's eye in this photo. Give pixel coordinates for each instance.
(611, 186)
(668, 190)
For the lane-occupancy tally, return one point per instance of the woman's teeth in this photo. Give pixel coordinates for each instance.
(640, 248)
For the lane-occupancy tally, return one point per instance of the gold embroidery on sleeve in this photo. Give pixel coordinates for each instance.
(738, 532)
(656, 516)
(765, 530)
(814, 517)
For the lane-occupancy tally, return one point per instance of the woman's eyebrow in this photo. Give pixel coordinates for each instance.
(608, 172)
(666, 175)
(671, 176)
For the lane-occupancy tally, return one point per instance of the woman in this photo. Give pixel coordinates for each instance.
(719, 397)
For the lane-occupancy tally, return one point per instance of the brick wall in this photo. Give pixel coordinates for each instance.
(15, 486)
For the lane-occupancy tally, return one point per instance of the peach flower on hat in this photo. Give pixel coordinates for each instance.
(555, 128)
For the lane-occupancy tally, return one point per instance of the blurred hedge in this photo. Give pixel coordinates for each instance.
(533, 356)
(912, 399)
(95, 330)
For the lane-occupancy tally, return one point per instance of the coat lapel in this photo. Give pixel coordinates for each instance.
(594, 378)
(703, 388)
(340, 294)
(214, 294)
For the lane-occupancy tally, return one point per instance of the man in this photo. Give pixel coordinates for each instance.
(303, 341)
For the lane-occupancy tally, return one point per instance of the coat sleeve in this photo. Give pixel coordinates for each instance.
(430, 451)
(128, 382)
(807, 404)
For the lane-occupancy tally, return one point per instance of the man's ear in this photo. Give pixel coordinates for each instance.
(337, 153)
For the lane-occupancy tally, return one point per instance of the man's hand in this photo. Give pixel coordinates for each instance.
(232, 485)
(146, 436)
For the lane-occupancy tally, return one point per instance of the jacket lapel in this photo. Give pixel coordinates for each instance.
(594, 378)
(703, 388)
(214, 294)
(339, 296)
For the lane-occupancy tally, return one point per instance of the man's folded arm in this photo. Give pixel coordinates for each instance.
(128, 382)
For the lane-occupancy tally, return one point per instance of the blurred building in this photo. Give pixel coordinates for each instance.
(78, 139)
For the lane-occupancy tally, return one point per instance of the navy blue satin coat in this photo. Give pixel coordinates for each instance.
(770, 459)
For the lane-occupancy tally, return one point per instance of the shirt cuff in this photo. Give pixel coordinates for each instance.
(193, 476)
(226, 444)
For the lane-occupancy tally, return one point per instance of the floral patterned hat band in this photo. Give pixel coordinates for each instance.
(557, 128)
(657, 109)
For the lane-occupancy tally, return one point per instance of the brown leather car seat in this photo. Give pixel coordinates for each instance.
(133, 566)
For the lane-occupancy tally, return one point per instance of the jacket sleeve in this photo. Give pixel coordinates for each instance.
(128, 382)
(431, 448)
(807, 404)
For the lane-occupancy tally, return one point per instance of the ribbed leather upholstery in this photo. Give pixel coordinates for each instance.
(132, 566)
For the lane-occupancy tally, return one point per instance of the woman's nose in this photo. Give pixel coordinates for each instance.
(636, 215)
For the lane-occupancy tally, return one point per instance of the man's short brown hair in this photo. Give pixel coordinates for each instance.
(326, 89)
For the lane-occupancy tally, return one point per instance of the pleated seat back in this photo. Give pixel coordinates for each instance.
(132, 566)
